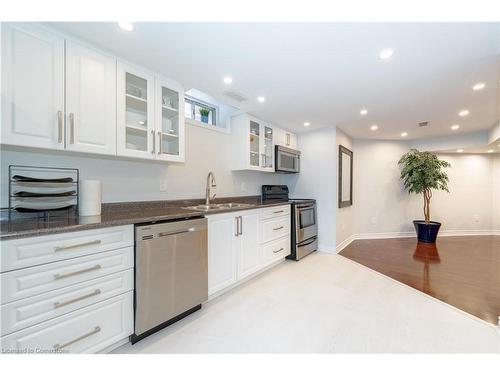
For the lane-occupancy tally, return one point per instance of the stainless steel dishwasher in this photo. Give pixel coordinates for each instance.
(171, 273)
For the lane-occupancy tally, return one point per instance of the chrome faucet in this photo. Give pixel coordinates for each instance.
(210, 183)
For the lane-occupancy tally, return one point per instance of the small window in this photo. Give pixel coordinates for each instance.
(200, 111)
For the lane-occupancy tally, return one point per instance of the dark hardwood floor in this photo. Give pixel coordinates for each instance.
(461, 271)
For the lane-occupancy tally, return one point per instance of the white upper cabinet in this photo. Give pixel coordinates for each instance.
(90, 100)
(169, 122)
(286, 138)
(32, 87)
(253, 144)
(80, 99)
(135, 112)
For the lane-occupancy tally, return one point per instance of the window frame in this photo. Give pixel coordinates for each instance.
(200, 103)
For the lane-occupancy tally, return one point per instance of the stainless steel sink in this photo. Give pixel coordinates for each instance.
(218, 206)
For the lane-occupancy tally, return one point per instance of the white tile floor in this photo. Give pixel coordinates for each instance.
(322, 304)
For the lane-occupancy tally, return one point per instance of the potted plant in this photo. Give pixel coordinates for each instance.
(422, 172)
(204, 114)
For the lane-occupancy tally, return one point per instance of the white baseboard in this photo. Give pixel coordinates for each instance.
(444, 233)
(344, 243)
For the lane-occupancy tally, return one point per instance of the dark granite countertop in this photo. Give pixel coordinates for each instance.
(16, 225)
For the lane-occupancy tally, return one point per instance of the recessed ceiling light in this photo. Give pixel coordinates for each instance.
(479, 86)
(460, 150)
(261, 99)
(386, 53)
(127, 26)
(307, 123)
(228, 80)
(374, 127)
(363, 112)
(404, 134)
(490, 151)
(463, 113)
(455, 127)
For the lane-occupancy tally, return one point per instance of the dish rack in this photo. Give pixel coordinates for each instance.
(43, 190)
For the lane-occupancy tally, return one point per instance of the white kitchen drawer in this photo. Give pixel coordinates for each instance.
(33, 251)
(275, 228)
(275, 250)
(30, 311)
(31, 281)
(273, 212)
(87, 330)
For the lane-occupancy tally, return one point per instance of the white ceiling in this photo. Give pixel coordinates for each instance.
(326, 73)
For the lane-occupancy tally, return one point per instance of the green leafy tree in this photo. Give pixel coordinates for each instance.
(422, 172)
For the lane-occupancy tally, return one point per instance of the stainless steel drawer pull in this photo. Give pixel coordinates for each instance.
(163, 234)
(278, 212)
(278, 228)
(277, 251)
(61, 304)
(67, 247)
(58, 276)
(66, 344)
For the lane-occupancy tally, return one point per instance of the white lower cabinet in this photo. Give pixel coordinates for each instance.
(87, 330)
(222, 231)
(69, 292)
(30, 311)
(234, 246)
(248, 259)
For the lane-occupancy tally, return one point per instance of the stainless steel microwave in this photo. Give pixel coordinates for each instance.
(287, 160)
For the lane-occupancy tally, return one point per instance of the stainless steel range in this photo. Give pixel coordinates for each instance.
(304, 220)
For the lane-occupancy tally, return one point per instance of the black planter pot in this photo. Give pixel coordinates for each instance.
(426, 232)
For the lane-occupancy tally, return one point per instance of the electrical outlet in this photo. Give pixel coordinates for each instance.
(163, 184)
(243, 186)
(476, 218)
(373, 220)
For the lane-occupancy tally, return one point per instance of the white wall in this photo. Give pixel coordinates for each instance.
(383, 206)
(131, 180)
(317, 180)
(344, 222)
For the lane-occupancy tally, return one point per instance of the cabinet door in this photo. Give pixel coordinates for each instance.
(255, 144)
(267, 139)
(248, 250)
(169, 120)
(32, 87)
(222, 242)
(135, 112)
(90, 100)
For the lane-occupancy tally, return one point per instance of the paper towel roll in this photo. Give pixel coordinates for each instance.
(90, 198)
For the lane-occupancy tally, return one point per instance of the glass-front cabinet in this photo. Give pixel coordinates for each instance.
(253, 144)
(261, 142)
(169, 120)
(149, 115)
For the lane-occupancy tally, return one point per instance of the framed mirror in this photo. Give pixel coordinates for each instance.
(345, 177)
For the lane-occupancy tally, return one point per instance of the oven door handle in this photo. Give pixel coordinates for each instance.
(308, 242)
(306, 205)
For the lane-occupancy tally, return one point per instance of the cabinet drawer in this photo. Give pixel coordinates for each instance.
(33, 251)
(30, 311)
(276, 250)
(273, 229)
(277, 211)
(87, 330)
(31, 281)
